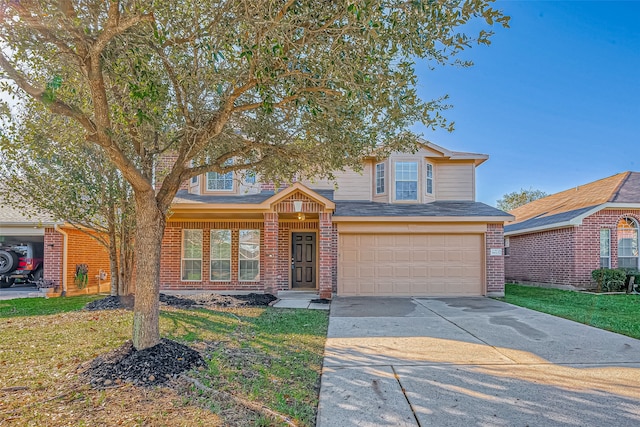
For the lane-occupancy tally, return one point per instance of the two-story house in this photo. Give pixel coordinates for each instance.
(407, 225)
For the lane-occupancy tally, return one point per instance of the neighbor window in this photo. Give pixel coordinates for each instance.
(249, 255)
(605, 248)
(220, 255)
(506, 246)
(627, 243)
(380, 178)
(429, 182)
(192, 255)
(406, 181)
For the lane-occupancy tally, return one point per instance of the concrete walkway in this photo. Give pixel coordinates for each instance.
(472, 362)
(300, 299)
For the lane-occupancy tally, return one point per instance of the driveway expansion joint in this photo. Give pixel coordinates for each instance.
(404, 393)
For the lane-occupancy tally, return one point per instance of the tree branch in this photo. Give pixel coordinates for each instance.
(55, 106)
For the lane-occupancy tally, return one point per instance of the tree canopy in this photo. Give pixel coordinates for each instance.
(279, 87)
(515, 199)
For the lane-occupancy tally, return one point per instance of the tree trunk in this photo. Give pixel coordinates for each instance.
(150, 223)
(113, 253)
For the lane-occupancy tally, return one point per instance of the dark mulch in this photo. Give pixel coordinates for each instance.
(176, 301)
(148, 367)
(321, 301)
(111, 303)
(191, 301)
(249, 300)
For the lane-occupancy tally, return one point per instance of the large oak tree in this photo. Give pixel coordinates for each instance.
(277, 86)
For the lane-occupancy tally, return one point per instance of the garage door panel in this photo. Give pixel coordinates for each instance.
(412, 265)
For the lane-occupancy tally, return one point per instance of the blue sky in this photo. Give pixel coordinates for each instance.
(554, 100)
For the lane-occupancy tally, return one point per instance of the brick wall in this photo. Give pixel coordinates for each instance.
(565, 256)
(326, 260)
(494, 239)
(545, 257)
(53, 249)
(171, 254)
(83, 249)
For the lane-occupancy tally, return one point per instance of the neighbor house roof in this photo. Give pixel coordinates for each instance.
(570, 207)
(12, 216)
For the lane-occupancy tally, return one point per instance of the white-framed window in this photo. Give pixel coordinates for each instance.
(219, 181)
(192, 255)
(605, 248)
(220, 255)
(627, 243)
(406, 180)
(429, 178)
(380, 178)
(250, 177)
(249, 255)
(506, 246)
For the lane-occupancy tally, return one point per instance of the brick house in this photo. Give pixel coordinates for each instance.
(562, 238)
(407, 225)
(62, 247)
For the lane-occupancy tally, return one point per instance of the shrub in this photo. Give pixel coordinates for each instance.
(610, 280)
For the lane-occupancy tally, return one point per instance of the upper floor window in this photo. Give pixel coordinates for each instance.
(219, 181)
(506, 246)
(194, 179)
(429, 182)
(406, 181)
(380, 178)
(250, 177)
(627, 243)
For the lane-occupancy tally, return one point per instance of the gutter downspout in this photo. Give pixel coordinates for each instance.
(65, 237)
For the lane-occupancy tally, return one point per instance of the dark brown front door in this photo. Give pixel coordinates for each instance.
(303, 262)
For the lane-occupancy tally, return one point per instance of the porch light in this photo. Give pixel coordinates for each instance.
(297, 207)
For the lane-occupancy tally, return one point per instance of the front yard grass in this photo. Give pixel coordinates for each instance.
(261, 362)
(617, 313)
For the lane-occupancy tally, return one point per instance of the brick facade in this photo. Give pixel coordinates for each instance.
(494, 239)
(81, 249)
(275, 248)
(564, 256)
(53, 250)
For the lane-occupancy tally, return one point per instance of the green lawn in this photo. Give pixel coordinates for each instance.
(264, 365)
(616, 313)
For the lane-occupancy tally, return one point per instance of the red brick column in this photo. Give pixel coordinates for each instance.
(270, 250)
(495, 263)
(327, 258)
(53, 249)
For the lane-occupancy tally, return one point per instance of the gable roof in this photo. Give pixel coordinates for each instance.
(569, 207)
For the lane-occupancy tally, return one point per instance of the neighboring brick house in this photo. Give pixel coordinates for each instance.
(408, 225)
(63, 247)
(562, 238)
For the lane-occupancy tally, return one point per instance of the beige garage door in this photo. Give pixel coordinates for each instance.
(410, 264)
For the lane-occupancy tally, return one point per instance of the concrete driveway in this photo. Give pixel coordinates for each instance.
(472, 362)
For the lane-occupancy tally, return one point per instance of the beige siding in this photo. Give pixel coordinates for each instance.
(410, 264)
(348, 184)
(454, 181)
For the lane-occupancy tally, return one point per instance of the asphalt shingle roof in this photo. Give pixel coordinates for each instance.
(569, 204)
(12, 215)
(438, 208)
(183, 196)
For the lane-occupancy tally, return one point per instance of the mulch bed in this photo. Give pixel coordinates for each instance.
(149, 367)
(190, 301)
